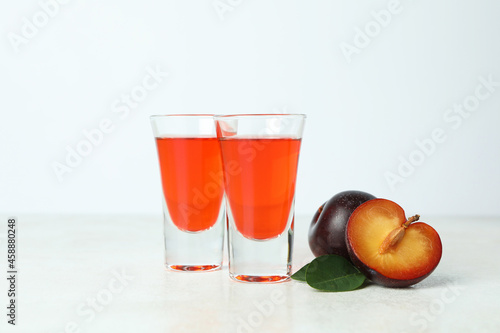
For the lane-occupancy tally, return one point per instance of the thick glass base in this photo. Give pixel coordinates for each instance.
(260, 279)
(194, 268)
(193, 251)
(260, 261)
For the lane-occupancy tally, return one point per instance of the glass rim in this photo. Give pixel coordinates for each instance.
(188, 115)
(213, 115)
(301, 115)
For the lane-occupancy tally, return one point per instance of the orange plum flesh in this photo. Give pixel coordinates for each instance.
(408, 260)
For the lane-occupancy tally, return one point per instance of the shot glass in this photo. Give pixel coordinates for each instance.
(193, 191)
(260, 156)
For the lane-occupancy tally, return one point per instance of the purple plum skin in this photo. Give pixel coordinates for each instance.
(328, 226)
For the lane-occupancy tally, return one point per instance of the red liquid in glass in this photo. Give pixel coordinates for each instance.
(192, 179)
(260, 180)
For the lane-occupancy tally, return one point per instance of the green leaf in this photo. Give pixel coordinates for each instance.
(333, 273)
(300, 275)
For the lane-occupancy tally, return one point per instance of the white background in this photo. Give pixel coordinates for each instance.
(365, 111)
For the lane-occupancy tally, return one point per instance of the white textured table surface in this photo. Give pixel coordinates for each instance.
(106, 274)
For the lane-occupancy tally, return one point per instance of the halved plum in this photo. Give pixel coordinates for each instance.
(390, 249)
